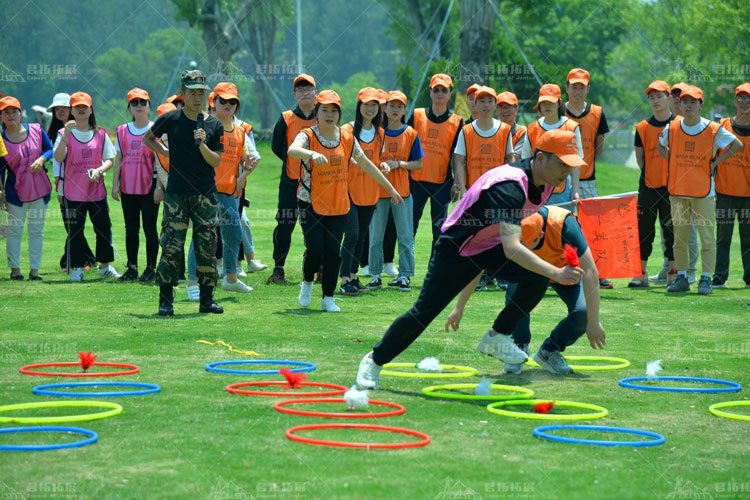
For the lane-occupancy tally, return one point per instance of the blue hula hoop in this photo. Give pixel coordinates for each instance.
(44, 390)
(731, 386)
(305, 367)
(92, 437)
(541, 432)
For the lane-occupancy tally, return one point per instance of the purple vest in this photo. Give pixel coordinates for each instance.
(489, 236)
(81, 157)
(137, 170)
(29, 186)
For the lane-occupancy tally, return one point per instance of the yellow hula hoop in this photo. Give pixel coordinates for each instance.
(463, 371)
(521, 392)
(599, 412)
(231, 349)
(115, 410)
(725, 414)
(622, 363)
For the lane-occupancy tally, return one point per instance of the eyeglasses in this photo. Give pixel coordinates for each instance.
(744, 98)
(441, 90)
(139, 102)
(305, 90)
(231, 102)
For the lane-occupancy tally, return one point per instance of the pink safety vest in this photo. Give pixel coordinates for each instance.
(81, 157)
(137, 170)
(29, 186)
(489, 236)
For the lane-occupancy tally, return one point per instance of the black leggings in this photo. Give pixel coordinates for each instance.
(75, 220)
(653, 202)
(137, 207)
(357, 224)
(323, 234)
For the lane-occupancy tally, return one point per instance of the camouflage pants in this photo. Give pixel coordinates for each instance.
(179, 209)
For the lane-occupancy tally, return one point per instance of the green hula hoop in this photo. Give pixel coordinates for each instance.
(622, 363)
(115, 410)
(522, 392)
(463, 371)
(599, 412)
(725, 414)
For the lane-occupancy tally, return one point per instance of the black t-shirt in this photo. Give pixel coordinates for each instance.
(742, 130)
(188, 171)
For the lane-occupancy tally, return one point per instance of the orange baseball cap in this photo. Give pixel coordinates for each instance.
(563, 144)
(679, 86)
(226, 90)
(659, 86)
(396, 95)
(165, 108)
(441, 79)
(9, 102)
(742, 89)
(472, 89)
(211, 98)
(368, 94)
(578, 75)
(328, 97)
(485, 91)
(137, 93)
(79, 98)
(549, 92)
(692, 91)
(177, 97)
(531, 227)
(304, 77)
(382, 96)
(507, 98)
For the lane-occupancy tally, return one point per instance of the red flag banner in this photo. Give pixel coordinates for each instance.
(611, 229)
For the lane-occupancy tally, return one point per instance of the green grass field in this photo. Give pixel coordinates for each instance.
(194, 440)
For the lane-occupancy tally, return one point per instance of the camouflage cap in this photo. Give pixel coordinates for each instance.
(194, 79)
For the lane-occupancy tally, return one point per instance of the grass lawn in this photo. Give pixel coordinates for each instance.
(195, 440)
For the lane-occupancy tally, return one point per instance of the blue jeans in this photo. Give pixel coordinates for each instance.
(247, 234)
(567, 331)
(403, 217)
(231, 235)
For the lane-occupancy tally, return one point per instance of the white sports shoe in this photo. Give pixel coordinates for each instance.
(305, 294)
(502, 347)
(193, 293)
(390, 269)
(255, 265)
(237, 286)
(108, 272)
(76, 276)
(368, 375)
(329, 305)
(241, 272)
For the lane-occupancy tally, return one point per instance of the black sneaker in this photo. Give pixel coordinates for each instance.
(16, 277)
(404, 284)
(716, 283)
(34, 277)
(484, 282)
(148, 275)
(502, 285)
(349, 289)
(394, 282)
(375, 283)
(605, 284)
(359, 285)
(680, 284)
(277, 276)
(130, 275)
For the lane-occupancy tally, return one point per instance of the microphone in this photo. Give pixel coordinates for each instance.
(198, 125)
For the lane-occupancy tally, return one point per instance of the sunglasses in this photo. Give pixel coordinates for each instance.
(139, 102)
(231, 102)
(441, 90)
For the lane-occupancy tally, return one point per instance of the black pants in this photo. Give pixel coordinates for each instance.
(75, 221)
(286, 218)
(323, 234)
(439, 196)
(355, 234)
(727, 209)
(89, 256)
(653, 203)
(137, 207)
(389, 243)
(447, 275)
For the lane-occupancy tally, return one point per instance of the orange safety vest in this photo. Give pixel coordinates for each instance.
(520, 132)
(689, 171)
(589, 128)
(733, 174)
(484, 153)
(329, 182)
(655, 165)
(552, 247)
(437, 144)
(228, 170)
(535, 131)
(398, 149)
(294, 125)
(363, 189)
(164, 160)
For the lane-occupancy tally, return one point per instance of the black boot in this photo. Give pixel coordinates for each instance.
(166, 297)
(207, 304)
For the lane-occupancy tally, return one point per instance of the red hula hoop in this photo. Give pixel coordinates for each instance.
(233, 388)
(345, 444)
(29, 370)
(279, 406)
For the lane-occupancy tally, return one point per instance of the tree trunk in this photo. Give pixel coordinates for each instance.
(261, 39)
(477, 22)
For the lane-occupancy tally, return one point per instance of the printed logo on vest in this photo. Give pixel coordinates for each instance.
(87, 153)
(335, 160)
(232, 142)
(368, 152)
(392, 147)
(690, 146)
(433, 133)
(486, 149)
(135, 144)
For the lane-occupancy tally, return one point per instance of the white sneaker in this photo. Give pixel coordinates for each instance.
(390, 269)
(329, 305)
(305, 294)
(502, 347)
(368, 376)
(108, 272)
(220, 271)
(255, 265)
(241, 272)
(193, 293)
(76, 276)
(366, 271)
(237, 286)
